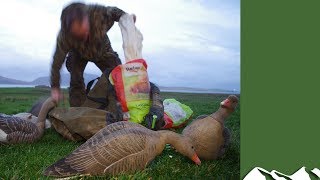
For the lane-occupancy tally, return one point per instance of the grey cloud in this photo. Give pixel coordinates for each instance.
(176, 64)
(179, 68)
(175, 67)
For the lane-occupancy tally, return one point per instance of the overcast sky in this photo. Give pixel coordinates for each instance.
(189, 43)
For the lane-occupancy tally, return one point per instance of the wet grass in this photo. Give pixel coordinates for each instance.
(28, 161)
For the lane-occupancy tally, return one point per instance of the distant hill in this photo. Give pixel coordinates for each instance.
(4, 80)
(65, 80)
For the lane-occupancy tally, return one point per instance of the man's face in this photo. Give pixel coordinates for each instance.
(81, 29)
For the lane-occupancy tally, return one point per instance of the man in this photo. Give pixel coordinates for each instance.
(83, 38)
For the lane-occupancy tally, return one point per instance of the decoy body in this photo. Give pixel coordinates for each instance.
(34, 119)
(15, 130)
(121, 147)
(208, 134)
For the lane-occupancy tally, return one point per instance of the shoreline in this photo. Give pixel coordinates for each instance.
(175, 90)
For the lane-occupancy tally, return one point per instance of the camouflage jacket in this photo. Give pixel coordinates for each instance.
(101, 20)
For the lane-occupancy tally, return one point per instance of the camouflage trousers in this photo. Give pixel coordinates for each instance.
(76, 66)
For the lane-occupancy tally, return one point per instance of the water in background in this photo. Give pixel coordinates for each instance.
(201, 91)
(14, 85)
(162, 90)
(20, 86)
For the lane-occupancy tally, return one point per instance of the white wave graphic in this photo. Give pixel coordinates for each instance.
(316, 172)
(257, 174)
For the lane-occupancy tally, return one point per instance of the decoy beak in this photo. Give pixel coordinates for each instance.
(225, 103)
(196, 159)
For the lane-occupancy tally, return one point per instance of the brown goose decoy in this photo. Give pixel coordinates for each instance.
(208, 134)
(34, 119)
(121, 147)
(15, 130)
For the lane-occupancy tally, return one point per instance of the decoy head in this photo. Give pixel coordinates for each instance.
(186, 148)
(230, 103)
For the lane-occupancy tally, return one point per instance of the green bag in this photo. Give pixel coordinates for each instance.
(176, 114)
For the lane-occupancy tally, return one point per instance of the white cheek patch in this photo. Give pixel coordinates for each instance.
(3, 136)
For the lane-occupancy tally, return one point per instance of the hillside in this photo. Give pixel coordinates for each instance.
(45, 80)
(65, 79)
(5, 80)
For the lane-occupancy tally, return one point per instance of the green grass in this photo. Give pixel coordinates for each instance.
(28, 161)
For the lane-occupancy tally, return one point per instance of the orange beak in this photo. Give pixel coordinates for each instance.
(196, 159)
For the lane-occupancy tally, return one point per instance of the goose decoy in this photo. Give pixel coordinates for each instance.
(15, 130)
(34, 119)
(121, 147)
(208, 134)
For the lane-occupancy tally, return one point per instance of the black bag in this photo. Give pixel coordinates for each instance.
(103, 96)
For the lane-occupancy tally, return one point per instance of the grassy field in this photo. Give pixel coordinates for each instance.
(27, 161)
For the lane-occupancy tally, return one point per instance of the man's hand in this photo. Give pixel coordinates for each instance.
(56, 94)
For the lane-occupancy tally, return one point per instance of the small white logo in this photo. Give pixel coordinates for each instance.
(257, 173)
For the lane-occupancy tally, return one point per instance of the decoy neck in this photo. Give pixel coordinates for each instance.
(46, 107)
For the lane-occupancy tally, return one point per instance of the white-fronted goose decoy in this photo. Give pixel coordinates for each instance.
(208, 134)
(121, 147)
